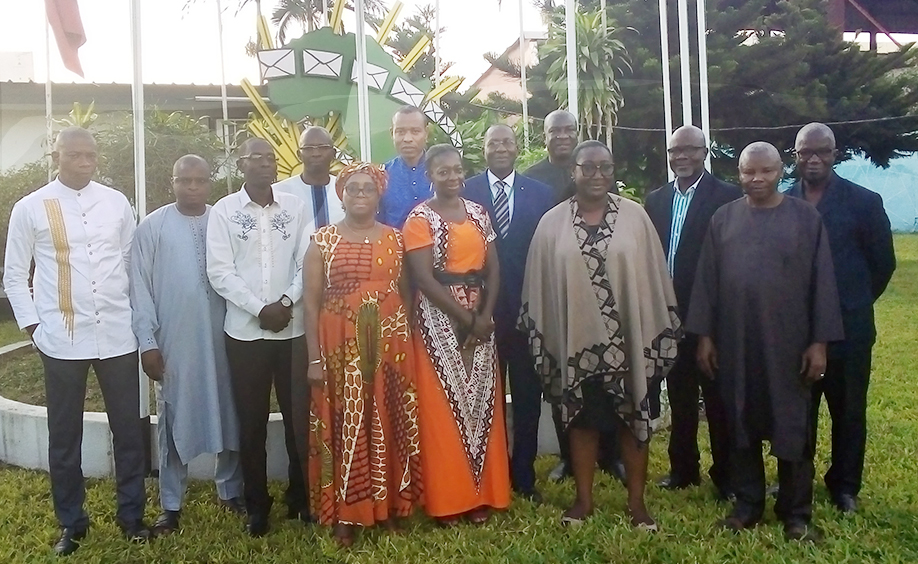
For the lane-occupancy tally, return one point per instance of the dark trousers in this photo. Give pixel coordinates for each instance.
(683, 383)
(526, 393)
(845, 388)
(795, 481)
(609, 449)
(254, 367)
(65, 387)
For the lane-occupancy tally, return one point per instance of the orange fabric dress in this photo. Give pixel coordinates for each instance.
(463, 432)
(363, 465)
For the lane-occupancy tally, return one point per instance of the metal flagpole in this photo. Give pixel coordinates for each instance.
(524, 49)
(226, 128)
(570, 39)
(437, 43)
(703, 77)
(363, 94)
(667, 86)
(685, 63)
(140, 183)
(49, 106)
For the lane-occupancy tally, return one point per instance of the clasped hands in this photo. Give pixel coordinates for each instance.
(479, 328)
(275, 317)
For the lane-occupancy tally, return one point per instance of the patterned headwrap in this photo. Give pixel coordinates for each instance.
(377, 174)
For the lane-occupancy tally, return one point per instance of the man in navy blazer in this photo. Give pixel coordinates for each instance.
(862, 252)
(681, 211)
(515, 204)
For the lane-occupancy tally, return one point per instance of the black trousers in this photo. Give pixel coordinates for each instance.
(795, 480)
(517, 366)
(845, 388)
(683, 384)
(65, 387)
(254, 367)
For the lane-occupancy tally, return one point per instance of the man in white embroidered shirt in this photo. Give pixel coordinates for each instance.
(255, 260)
(79, 234)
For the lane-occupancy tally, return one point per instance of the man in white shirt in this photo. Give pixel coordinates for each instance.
(79, 234)
(255, 250)
(315, 185)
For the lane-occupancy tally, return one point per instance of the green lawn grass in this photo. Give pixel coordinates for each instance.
(886, 529)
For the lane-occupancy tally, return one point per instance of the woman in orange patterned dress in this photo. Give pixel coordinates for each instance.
(453, 262)
(363, 465)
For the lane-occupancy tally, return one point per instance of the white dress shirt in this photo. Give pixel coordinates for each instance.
(255, 256)
(508, 189)
(295, 185)
(80, 241)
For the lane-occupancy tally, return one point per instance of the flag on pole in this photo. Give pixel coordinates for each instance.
(64, 19)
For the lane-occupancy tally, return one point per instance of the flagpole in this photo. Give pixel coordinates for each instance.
(524, 48)
(363, 94)
(685, 62)
(437, 43)
(570, 39)
(49, 106)
(703, 77)
(667, 85)
(226, 144)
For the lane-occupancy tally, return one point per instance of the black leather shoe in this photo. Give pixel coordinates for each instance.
(69, 541)
(560, 472)
(257, 525)
(724, 494)
(532, 495)
(846, 503)
(235, 505)
(800, 531)
(615, 468)
(136, 531)
(674, 482)
(167, 523)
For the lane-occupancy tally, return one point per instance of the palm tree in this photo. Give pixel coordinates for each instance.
(601, 58)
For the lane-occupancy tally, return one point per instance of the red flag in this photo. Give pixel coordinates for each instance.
(64, 18)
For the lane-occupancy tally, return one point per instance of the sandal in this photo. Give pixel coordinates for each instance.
(448, 522)
(569, 522)
(479, 516)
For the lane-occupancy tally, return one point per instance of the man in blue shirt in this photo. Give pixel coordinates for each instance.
(408, 183)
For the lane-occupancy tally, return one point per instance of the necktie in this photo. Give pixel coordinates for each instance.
(319, 205)
(502, 209)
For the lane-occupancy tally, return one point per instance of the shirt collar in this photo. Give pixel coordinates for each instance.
(509, 180)
(68, 191)
(420, 164)
(245, 199)
(691, 189)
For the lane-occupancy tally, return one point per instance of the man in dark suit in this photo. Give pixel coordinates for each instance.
(862, 252)
(681, 211)
(515, 204)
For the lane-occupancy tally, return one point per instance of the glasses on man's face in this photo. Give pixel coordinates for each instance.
(497, 143)
(315, 148)
(189, 181)
(258, 158)
(684, 150)
(807, 154)
(360, 191)
(589, 169)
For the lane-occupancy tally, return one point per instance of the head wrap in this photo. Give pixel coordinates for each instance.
(376, 174)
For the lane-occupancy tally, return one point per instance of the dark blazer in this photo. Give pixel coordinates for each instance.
(531, 199)
(710, 194)
(861, 241)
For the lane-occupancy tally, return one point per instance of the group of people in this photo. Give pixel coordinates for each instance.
(389, 308)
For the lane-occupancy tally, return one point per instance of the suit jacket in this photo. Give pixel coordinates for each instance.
(860, 239)
(710, 194)
(531, 199)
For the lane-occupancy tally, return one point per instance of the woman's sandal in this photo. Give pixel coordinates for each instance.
(649, 527)
(448, 522)
(479, 516)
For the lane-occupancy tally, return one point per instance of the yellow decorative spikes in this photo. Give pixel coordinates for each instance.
(334, 19)
(389, 22)
(415, 54)
(264, 34)
(281, 134)
(447, 85)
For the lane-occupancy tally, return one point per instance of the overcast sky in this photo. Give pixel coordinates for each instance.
(181, 46)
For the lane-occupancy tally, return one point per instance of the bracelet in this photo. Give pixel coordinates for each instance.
(316, 361)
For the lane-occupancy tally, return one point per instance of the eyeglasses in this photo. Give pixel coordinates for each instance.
(686, 150)
(258, 158)
(186, 181)
(315, 148)
(807, 154)
(589, 169)
(495, 143)
(360, 191)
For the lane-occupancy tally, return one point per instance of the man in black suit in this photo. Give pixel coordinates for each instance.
(516, 204)
(555, 171)
(681, 211)
(862, 252)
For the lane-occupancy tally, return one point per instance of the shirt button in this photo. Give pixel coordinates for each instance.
(93, 282)
(98, 322)
(84, 215)
(97, 313)
(88, 244)
(84, 223)
(90, 253)
(93, 291)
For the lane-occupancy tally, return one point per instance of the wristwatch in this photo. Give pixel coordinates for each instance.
(286, 302)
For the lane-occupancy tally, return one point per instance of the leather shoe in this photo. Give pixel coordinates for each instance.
(674, 482)
(724, 494)
(69, 541)
(532, 495)
(257, 525)
(736, 524)
(616, 469)
(846, 503)
(167, 523)
(560, 472)
(235, 505)
(800, 531)
(135, 531)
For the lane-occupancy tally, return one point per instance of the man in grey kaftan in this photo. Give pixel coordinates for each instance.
(765, 304)
(178, 315)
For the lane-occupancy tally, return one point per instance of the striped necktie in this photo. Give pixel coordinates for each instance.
(502, 209)
(319, 204)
